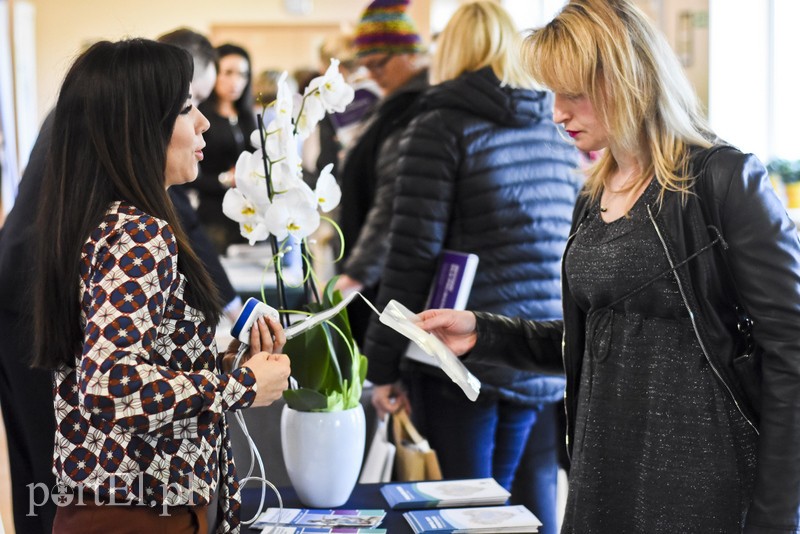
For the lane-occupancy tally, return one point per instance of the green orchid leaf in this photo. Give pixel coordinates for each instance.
(305, 400)
(311, 358)
(326, 361)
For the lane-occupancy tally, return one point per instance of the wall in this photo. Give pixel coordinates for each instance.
(64, 28)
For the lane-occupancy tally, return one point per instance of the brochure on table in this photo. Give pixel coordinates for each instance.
(492, 519)
(320, 518)
(444, 493)
(275, 529)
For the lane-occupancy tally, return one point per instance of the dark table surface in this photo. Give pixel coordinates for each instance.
(364, 497)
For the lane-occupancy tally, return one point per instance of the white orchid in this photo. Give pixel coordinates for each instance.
(311, 112)
(254, 232)
(334, 92)
(289, 207)
(292, 214)
(284, 102)
(251, 180)
(237, 207)
(328, 192)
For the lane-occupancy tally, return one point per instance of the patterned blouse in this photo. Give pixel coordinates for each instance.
(141, 416)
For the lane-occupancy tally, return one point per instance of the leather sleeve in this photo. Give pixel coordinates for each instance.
(519, 343)
(764, 253)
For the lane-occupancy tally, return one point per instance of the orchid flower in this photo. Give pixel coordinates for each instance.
(254, 232)
(284, 102)
(311, 112)
(237, 207)
(292, 214)
(328, 192)
(334, 92)
(251, 180)
(280, 140)
(293, 209)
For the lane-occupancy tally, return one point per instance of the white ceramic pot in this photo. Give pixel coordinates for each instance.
(323, 453)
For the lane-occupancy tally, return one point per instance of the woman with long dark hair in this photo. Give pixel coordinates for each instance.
(229, 109)
(125, 312)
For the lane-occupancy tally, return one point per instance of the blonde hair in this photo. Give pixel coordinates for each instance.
(610, 52)
(480, 34)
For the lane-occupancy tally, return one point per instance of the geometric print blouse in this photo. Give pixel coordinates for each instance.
(141, 416)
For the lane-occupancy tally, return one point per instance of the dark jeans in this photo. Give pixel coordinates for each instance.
(513, 443)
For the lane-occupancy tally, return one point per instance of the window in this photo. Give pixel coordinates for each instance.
(754, 76)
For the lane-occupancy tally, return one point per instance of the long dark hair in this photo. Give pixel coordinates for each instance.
(113, 122)
(245, 105)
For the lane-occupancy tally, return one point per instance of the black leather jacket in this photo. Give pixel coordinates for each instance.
(764, 254)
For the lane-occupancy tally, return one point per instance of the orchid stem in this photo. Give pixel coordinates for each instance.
(273, 241)
(309, 285)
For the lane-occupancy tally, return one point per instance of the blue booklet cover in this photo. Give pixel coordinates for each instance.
(453, 281)
(493, 519)
(327, 520)
(450, 288)
(444, 493)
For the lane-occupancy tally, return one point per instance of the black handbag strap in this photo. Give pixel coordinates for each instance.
(705, 185)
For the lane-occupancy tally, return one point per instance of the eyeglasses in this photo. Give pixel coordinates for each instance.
(378, 64)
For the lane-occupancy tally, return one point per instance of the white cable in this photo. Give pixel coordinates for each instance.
(254, 454)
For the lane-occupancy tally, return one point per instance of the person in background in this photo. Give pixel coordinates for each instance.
(673, 424)
(25, 394)
(482, 169)
(203, 82)
(390, 48)
(229, 109)
(204, 57)
(140, 390)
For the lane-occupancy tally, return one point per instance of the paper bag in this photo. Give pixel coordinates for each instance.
(414, 459)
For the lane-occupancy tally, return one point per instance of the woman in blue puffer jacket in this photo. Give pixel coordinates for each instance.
(483, 170)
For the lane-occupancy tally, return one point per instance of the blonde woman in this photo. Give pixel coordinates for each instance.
(481, 169)
(664, 432)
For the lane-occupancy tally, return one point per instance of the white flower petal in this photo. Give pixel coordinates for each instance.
(328, 192)
(251, 178)
(293, 213)
(236, 207)
(311, 113)
(334, 92)
(254, 231)
(255, 138)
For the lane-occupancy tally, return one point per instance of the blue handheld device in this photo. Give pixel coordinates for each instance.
(253, 309)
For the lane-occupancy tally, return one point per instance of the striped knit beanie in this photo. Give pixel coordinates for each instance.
(386, 28)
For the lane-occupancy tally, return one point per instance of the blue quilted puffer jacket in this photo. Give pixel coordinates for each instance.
(481, 169)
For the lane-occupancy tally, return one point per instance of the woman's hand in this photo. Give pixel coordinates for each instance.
(272, 376)
(389, 398)
(347, 285)
(266, 335)
(455, 328)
